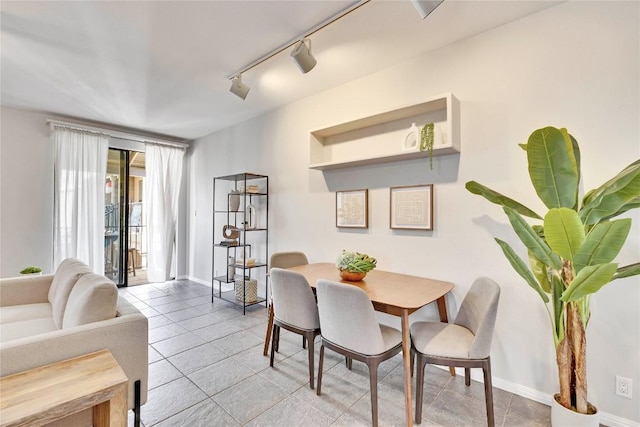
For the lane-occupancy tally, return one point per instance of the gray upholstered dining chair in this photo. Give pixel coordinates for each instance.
(297, 311)
(350, 327)
(464, 343)
(281, 260)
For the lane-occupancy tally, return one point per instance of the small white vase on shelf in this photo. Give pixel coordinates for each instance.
(234, 201)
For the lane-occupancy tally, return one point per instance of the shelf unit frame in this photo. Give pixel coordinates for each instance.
(239, 219)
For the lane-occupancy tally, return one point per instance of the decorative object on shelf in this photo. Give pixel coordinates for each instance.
(231, 270)
(354, 266)
(234, 200)
(231, 234)
(571, 252)
(352, 209)
(411, 207)
(253, 188)
(410, 141)
(247, 288)
(31, 271)
(426, 141)
(251, 217)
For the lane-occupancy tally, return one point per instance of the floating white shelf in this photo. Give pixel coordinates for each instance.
(380, 138)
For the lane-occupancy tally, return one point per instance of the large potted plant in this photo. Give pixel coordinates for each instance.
(571, 249)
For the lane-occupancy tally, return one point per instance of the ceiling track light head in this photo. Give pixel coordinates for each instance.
(238, 88)
(425, 7)
(302, 56)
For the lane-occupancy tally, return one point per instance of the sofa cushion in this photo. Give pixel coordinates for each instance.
(18, 313)
(92, 299)
(66, 276)
(26, 328)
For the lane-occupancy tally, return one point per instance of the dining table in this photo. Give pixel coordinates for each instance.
(392, 293)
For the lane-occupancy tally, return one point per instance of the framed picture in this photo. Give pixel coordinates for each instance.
(352, 209)
(411, 207)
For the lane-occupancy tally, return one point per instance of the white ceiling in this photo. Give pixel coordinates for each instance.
(163, 66)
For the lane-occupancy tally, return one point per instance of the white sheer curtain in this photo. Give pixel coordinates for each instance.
(78, 213)
(162, 190)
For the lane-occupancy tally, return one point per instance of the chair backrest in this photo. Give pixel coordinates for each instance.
(347, 318)
(288, 259)
(478, 314)
(294, 299)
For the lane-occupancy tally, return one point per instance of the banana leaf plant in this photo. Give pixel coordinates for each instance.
(571, 249)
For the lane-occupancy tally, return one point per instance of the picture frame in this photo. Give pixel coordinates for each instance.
(352, 209)
(411, 207)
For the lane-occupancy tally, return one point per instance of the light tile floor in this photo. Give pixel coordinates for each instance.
(206, 368)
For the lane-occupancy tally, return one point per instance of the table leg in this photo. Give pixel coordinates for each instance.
(113, 412)
(406, 355)
(442, 311)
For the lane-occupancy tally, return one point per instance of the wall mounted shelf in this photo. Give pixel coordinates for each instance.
(379, 138)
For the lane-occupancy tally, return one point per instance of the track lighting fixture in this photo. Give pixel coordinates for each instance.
(238, 88)
(425, 7)
(302, 56)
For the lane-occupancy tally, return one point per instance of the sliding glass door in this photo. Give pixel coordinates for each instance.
(125, 229)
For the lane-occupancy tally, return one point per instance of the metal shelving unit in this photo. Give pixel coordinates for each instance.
(251, 223)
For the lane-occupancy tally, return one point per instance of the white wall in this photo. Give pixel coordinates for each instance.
(26, 192)
(575, 65)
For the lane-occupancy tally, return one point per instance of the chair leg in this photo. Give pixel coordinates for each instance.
(304, 342)
(373, 385)
(319, 385)
(309, 338)
(274, 340)
(267, 337)
(419, 386)
(488, 392)
(349, 362)
(467, 376)
(412, 357)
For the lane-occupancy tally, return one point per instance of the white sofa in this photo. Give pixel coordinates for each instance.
(49, 318)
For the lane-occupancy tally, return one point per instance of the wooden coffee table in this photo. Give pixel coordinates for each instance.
(51, 392)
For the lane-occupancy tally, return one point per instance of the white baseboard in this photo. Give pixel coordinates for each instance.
(200, 281)
(541, 397)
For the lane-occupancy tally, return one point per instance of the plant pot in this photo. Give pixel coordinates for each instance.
(563, 417)
(351, 276)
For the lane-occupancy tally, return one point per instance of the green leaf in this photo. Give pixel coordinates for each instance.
(603, 243)
(521, 268)
(633, 204)
(532, 240)
(589, 280)
(610, 199)
(553, 167)
(564, 231)
(558, 307)
(540, 271)
(499, 199)
(627, 271)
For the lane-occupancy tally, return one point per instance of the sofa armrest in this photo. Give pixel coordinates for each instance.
(25, 289)
(126, 336)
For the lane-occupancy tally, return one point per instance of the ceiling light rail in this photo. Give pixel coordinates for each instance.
(117, 134)
(301, 53)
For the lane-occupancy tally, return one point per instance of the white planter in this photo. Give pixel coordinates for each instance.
(563, 417)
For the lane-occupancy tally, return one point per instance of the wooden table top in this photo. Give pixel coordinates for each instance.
(44, 394)
(389, 292)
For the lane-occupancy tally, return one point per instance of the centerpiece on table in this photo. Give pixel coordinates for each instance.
(354, 266)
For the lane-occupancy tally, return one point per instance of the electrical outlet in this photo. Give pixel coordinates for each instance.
(623, 387)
